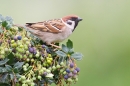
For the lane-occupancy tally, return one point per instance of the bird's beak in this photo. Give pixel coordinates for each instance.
(79, 19)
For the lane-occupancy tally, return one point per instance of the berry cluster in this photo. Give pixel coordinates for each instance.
(41, 65)
(71, 73)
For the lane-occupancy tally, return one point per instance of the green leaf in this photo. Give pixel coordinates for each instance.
(11, 76)
(11, 59)
(50, 81)
(8, 68)
(16, 70)
(8, 27)
(17, 75)
(61, 53)
(71, 51)
(18, 65)
(7, 18)
(69, 44)
(5, 84)
(4, 61)
(4, 23)
(67, 61)
(4, 78)
(3, 70)
(20, 29)
(61, 59)
(64, 48)
(77, 56)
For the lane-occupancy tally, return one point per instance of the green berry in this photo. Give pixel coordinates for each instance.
(48, 71)
(41, 71)
(6, 49)
(2, 52)
(12, 41)
(37, 55)
(27, 64)
(62, 63)
(64, 72)
(28, 81)
(49, 61)
(21, 46)
(25, 69)
(32, 60)
(10, 50)
(24, 66)
(23, 77)
(41, 58)
(53, 67)
(14, 45)
(19, 43)
(44, 64)
(22, 51)
(19, 79)
(27, 52)
(24, 84)
(58, 66)
(24, 56)
(27, 59)
(25, 47)
(23, 81)
(69, 80)
(32, 84)
(19, 50)
(25, 39)
(27, 42)
(39, 77)
(44, 69)
(17, 54)
(49, 55)
(76, 79)
(34, 78)
(20, 56)
(15, 28)
(61, 71)
(30, 55)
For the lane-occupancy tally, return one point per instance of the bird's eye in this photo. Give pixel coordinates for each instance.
(69, 23)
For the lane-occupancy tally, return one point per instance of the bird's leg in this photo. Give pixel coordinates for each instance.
(53, 45)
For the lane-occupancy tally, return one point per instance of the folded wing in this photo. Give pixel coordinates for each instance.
(53, 26)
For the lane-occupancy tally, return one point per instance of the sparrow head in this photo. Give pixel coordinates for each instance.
(71, 21)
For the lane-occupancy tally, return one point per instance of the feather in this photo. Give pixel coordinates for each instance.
(53, 26)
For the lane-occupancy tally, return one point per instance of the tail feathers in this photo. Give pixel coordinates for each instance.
(18, 25)
(23, 26)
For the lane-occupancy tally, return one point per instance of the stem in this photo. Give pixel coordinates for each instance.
(13, 82)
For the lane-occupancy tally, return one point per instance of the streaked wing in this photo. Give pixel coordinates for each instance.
(54, 26)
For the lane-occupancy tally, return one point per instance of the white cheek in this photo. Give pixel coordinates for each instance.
(70, 26)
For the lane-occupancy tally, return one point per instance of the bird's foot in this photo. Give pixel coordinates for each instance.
(57, 47)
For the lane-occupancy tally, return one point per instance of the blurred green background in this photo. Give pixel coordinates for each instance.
(103, 36)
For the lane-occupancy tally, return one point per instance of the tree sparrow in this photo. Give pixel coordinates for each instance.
(55, 30)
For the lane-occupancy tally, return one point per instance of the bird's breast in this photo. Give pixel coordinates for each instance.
(56, 37)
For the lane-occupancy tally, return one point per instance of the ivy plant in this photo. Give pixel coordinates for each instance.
(25, 60)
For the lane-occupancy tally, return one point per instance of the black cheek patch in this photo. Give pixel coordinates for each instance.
(70, 23)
